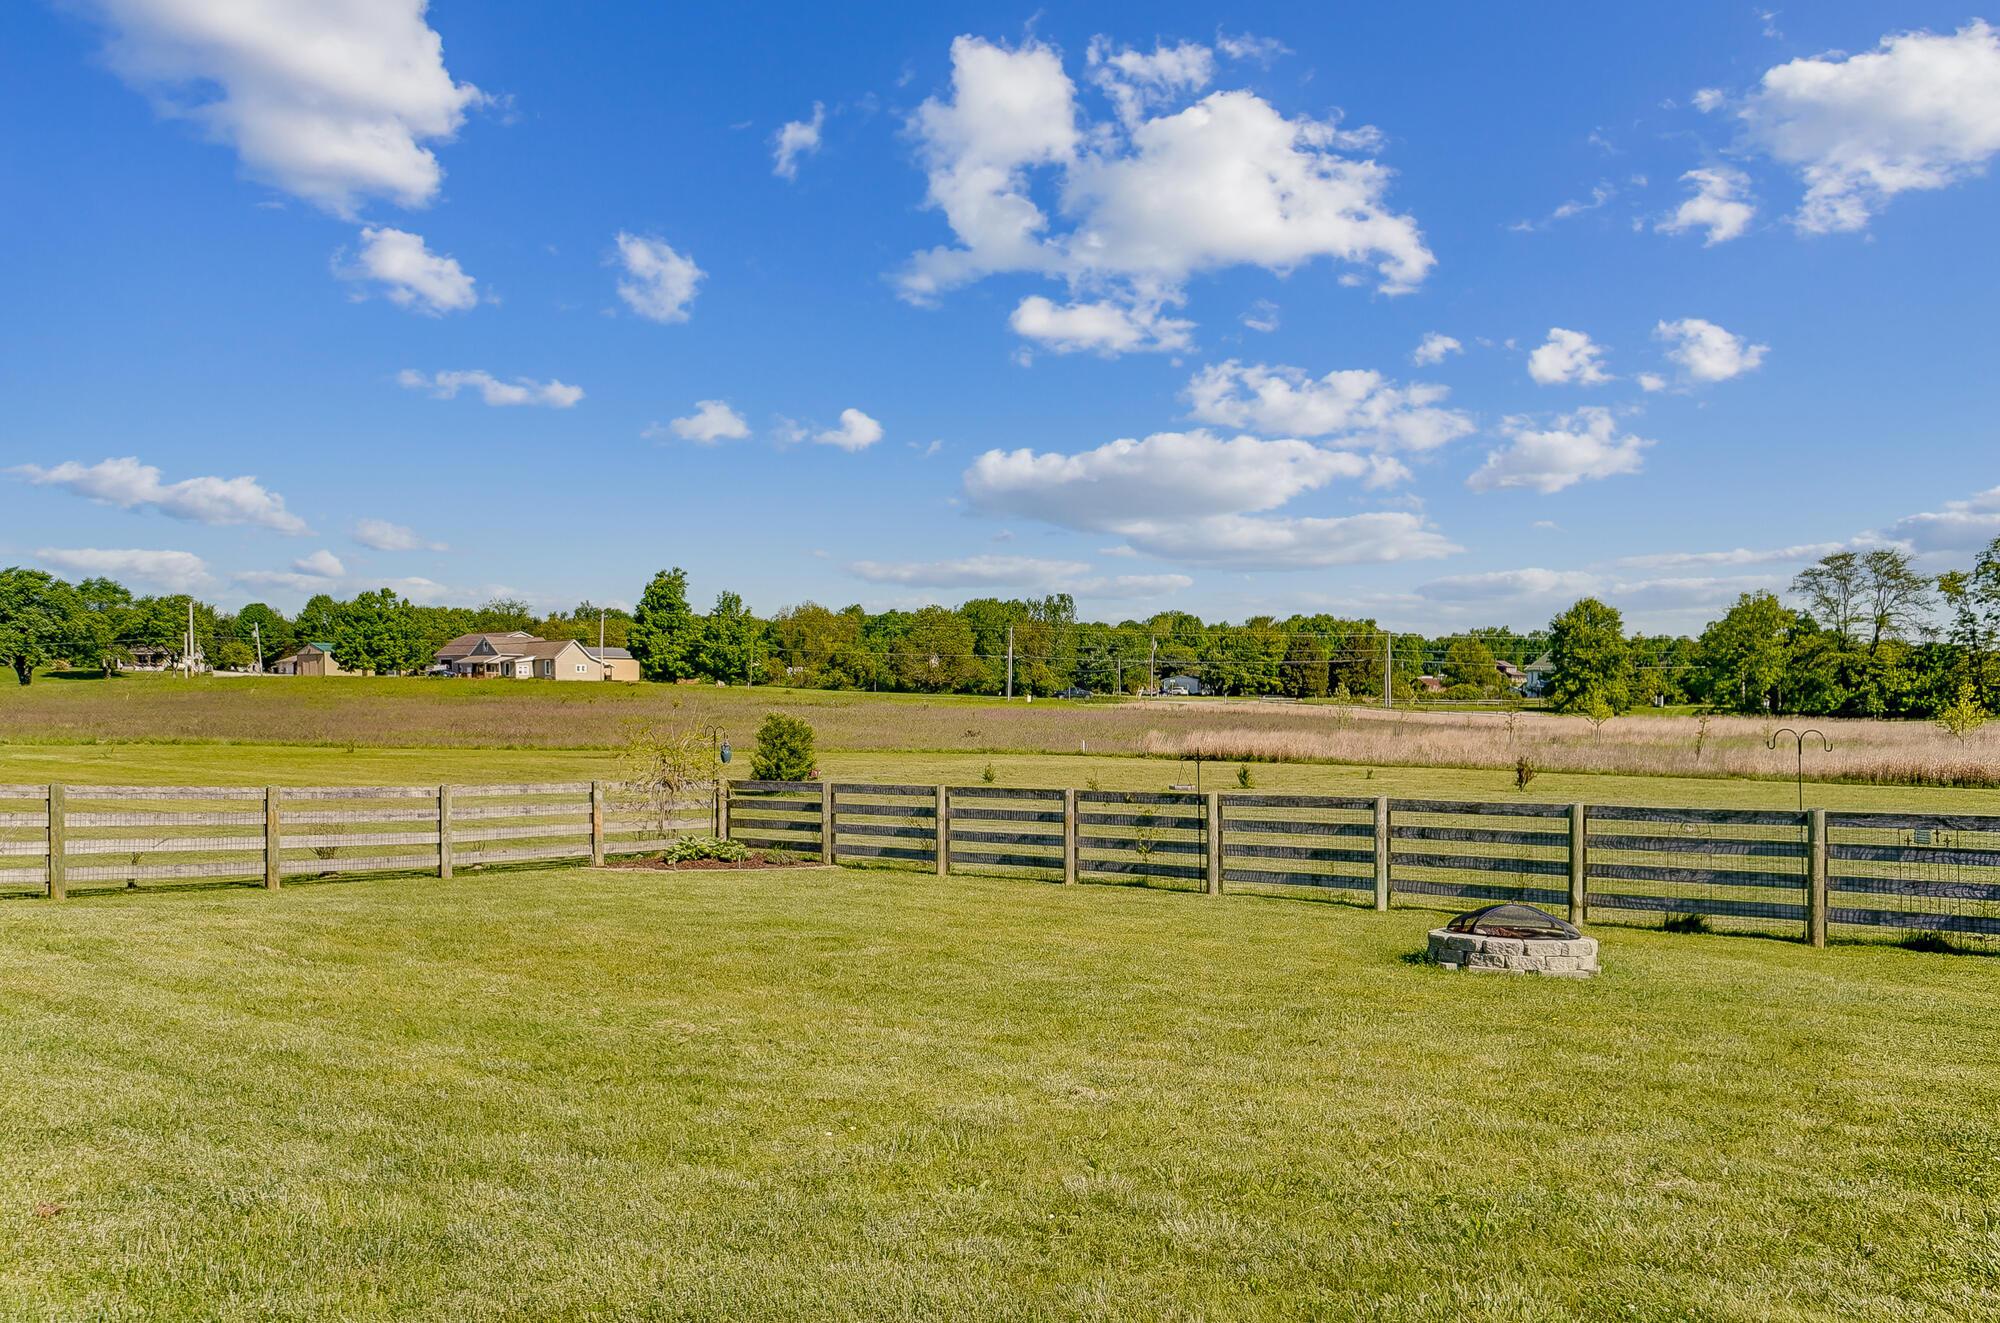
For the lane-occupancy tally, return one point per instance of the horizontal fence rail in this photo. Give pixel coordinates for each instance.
(1774, 871)
(58, 839)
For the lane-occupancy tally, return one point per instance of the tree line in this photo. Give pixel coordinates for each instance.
(1869, 636)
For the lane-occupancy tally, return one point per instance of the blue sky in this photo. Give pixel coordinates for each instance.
(332, 297)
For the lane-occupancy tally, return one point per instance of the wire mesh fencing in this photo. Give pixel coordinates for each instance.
(1458, 850)
(1898, 874)
(1285, 844)
(1141, 838)
(1006, 832)
(1742, 870)
(884, 824)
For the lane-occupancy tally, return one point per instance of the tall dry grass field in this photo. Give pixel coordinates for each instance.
(413, 713)
(1888, 752)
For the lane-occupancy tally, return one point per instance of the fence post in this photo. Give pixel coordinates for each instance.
(597, 824)
(444, 832)
(826, 823)
(58, 834)
(1382, 852)
(1579, 908)
(1816, 878)
(943, 849)
(1069, 835)
(274, 856)
(1212, 823)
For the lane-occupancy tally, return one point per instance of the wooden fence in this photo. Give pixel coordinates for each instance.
(1807, 874)
(63, 838)
(1772, 871)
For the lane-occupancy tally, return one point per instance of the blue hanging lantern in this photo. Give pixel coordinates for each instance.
(725, 751)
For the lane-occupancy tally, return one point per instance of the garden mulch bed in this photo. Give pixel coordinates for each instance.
(658, 865)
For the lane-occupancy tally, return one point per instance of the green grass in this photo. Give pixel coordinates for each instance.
(275, 764)
(607, 1095)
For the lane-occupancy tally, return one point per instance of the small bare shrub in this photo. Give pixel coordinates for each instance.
(1524, 772)
(667, 765)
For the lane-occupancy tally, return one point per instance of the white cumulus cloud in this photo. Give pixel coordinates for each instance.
(1708, 353)
(1721, 205)
(322, 564)
(1920, 111)
(1358, 406)
(972, 572)
(1435, 348)
(711, 421)
(1261, 316)
(1150, 199)
(1196, 497)
(1581, 445)
(551, 394)
(175, 571)
(331, 102)
(382, 535)
(1512, 585)
(1567, 358)
(857, 431)
(1136, 81)
(1106, 327)
(410, 274)
(1966, 525)
(799, 137)
(658, 283)
(131, 485)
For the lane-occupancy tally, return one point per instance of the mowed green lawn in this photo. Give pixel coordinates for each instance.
(841, 1094)
(280, 764)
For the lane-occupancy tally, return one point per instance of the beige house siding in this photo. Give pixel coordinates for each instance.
(309, 661)
(571, 663)
(522, 656)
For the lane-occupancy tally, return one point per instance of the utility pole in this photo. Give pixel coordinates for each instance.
(187, 657)
(1388, 670)
(1152, 656)
(1010, 663)
(603, 665)
(257, 633)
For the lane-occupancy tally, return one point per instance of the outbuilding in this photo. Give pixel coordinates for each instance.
(310, 659)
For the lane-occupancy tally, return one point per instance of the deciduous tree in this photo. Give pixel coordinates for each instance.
(38, 619)
(379, 633)
(1592, 666)
(665, 633)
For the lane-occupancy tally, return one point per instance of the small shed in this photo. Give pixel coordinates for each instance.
(618, 663)
(310, 659)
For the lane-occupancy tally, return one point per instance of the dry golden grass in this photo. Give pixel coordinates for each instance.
(387, 714)
(1888, 752)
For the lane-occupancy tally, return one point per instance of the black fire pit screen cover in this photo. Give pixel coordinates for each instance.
(1513, 921)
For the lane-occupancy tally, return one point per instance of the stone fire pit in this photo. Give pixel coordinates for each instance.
(1513, 939)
